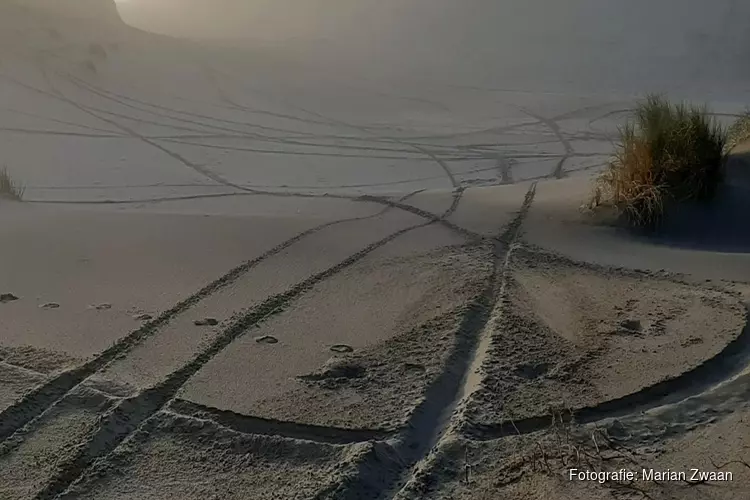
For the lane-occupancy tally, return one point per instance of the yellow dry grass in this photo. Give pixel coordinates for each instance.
(667, 153)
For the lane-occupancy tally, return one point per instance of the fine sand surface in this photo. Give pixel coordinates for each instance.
(237, 275)
(575, 336)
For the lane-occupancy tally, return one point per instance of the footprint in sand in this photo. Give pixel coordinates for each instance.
(7, 297)
(206, 322)
(49, 305)
(266, 339)
(342, 348)
(414, 368)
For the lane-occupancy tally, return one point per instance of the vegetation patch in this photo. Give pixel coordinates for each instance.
(667, 153)
(10, 189)
(739, 131)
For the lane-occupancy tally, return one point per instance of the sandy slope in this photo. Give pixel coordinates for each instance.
(127, 264)
(104, 97)
(205, 305)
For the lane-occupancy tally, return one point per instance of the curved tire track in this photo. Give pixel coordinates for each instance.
(127, 416)
(731, 361)
(268, 427)
(37, 401)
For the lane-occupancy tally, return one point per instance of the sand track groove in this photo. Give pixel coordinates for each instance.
(262, 274)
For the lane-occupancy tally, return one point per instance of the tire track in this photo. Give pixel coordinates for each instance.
(55, 93)
(434, 417)
(219, 179)
(129, 414)
(252, 189)
(37, 401)
(552, 124)
(60, 133)
(731, 361)
(456, 199)
(441, 219)
(236, 133)
(458, 190)
(119, 98)
(366, 130)
(301, 153)
(53, 120)
(268, 427)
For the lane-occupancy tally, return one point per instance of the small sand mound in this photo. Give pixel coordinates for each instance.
(337, 368)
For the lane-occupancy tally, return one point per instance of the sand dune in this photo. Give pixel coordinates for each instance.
(269, 273)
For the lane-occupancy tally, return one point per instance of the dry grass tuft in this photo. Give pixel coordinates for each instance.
(668, 153)
(9, 188)
(739, 131)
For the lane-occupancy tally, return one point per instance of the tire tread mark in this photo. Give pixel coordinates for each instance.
(712, 372)
(127, 416)
(552, 124)
(247, 424)
(434, 415)
(393, 140)
(38, 400)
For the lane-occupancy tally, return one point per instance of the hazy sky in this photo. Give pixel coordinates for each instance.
(600, 42)
(235, 18)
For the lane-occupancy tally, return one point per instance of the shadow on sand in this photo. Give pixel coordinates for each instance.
(722, 225)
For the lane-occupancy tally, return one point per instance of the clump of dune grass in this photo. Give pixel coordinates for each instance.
(9, 188)
(739, 131)
(667, 153)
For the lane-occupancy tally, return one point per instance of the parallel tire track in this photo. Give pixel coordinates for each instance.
(443, 165)
(130, 413)
(35, 402)
(220, 180)
(435, 414)
(131, 132)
